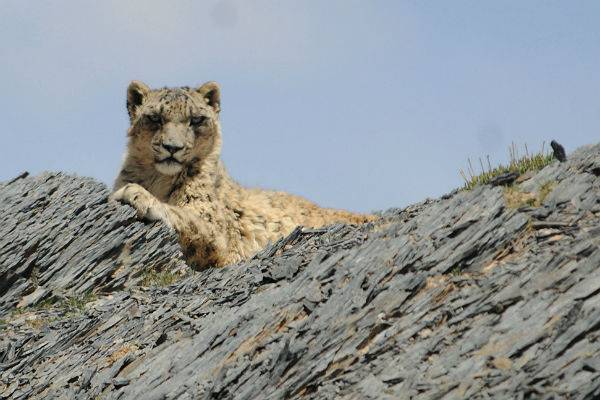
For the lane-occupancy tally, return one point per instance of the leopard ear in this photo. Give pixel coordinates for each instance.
(136, 93)
(212, 95)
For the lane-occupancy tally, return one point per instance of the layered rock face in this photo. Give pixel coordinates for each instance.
(489, 293)
(59, 235)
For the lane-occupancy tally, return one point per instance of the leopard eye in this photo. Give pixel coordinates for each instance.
(197, 121)
(154, 118)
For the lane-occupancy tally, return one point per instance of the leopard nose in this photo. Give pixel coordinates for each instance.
(172, 148)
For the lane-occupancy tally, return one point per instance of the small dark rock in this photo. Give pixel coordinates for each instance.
(120, 382)
(504, 179)
(558, 151)
(22, 175)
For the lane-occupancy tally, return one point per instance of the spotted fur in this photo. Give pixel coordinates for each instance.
(173, 172)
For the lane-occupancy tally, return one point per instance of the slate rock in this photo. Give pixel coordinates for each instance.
(59, 236)
(451, 298)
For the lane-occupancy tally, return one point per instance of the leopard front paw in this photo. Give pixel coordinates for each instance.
(145, 204)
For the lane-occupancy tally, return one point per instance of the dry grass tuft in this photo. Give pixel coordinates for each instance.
(518, 163)
(163, 278)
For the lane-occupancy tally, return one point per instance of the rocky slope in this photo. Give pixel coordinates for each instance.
(491, 293)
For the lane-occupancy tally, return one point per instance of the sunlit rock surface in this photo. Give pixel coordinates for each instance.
(460, 297)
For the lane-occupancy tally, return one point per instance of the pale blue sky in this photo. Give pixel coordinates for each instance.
(354, 104)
